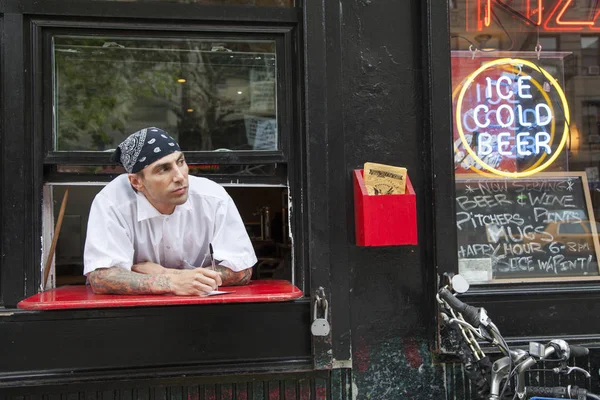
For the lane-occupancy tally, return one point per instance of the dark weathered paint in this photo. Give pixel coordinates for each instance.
(372, 85)
(317, 164)
(363, 99)
(298, 386)
(385, 104)
(396, 368)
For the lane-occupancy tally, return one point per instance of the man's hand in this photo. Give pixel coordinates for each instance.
(227, 276)
(231, 278)
(198, 281)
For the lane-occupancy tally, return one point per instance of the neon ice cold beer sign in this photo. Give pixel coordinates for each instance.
(506, 118)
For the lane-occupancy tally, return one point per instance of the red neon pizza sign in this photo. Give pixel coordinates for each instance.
(551, 15)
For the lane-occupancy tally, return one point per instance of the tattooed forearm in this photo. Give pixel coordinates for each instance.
(231, 278)
(117, 280)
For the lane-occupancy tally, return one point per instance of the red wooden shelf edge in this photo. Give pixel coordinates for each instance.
(80, 296)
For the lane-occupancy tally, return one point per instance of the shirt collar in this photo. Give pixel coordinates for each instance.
(145, 210)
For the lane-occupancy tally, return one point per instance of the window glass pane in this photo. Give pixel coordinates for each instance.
(209, 94)
(526, 132)
(549, 43)
(589, 42)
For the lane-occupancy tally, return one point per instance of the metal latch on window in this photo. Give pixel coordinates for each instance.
(320, 325)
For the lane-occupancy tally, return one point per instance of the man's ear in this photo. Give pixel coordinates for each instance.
(136, 181)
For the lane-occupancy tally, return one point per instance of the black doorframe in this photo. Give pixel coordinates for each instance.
(439, 221)
(325, 159)
(439, 124)
(17, 208)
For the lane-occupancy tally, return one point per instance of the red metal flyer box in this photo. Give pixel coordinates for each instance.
(384, 220)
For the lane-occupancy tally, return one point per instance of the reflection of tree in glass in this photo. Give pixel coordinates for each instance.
(98, 88)
(214, 96)
(205, 112)
(102, 82)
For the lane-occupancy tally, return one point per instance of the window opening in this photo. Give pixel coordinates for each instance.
(264, 210)
(219, 95)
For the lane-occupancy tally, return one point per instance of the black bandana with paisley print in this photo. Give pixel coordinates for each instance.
(144, 147)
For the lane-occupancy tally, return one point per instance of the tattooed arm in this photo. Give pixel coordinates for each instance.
(116, 280)
(231, 278)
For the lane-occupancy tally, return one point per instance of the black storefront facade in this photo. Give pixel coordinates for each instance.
(361, 81)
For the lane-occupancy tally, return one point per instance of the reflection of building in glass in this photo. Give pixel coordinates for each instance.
(198, 90)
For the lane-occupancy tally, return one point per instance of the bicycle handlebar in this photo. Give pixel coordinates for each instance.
(477, 317)
(560, 392)
(470, 313)
(568, 392)
(472, 316)
(578, 351)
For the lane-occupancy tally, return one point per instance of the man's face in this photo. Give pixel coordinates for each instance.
(164, 182)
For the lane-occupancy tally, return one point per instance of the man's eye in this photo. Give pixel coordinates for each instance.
(180, 162)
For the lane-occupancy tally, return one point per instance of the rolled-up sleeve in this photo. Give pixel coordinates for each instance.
(108, 243)
(231, 244)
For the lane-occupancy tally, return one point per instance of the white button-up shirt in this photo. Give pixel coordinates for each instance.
(125, 229)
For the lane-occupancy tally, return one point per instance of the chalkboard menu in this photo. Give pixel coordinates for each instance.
(541, 227)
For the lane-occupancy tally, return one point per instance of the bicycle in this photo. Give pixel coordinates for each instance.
(505, 378)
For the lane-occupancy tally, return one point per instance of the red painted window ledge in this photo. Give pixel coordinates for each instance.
(81, 296)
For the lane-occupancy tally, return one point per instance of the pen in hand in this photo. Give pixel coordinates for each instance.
(212, 257)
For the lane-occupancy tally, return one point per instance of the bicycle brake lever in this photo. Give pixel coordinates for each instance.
(568, 370)
(485, 334)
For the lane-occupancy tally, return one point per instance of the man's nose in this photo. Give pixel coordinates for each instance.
(178, 174)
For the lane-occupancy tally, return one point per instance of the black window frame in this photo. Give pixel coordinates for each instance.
(36, 22)
(2, 144)
(317, 112)
(282, 36)
(43, 30)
